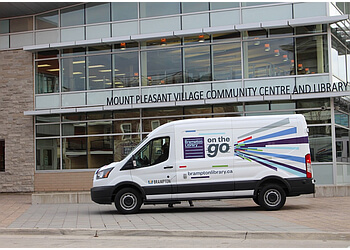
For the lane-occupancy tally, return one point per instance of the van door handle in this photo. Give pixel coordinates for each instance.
(168, 167)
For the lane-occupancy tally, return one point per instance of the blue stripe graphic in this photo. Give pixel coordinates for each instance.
(277, 134)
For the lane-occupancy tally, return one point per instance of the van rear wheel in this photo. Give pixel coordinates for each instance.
(128, 201)
(272, 197)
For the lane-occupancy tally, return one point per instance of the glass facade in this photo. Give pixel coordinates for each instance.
(184, 59)
(191, 59)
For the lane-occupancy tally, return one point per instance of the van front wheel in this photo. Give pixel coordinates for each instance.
(128, 201)
(272, 197)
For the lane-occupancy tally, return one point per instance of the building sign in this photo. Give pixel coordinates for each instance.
(203, 93)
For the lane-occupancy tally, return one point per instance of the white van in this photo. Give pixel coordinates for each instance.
(265, 158)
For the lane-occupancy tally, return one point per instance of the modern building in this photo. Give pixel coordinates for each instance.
(83, 83)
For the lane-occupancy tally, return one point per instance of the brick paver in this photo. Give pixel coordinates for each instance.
(13, 206)
(300, 214)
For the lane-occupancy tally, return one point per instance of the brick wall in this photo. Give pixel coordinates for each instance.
(17, 96)
(67, 181)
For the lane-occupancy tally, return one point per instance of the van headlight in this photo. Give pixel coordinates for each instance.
(101, 174)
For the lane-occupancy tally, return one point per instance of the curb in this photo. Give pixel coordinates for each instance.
(184, 233)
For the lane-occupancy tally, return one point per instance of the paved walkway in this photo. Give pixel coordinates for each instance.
(300, 214)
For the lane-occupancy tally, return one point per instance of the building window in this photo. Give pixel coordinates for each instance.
(126, 69)
(227, 61)
(197, 64)
(266, 58)
(47, 75)
(72, 16)
(312, 55)
(2, 156)
(161, 67)
(159, 9)
(21, 24)
(73, 74)
(47, 20)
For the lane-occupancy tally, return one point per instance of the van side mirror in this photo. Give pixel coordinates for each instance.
(134, 163)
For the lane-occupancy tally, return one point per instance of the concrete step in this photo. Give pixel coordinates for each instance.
(61, 198)
(85, 198)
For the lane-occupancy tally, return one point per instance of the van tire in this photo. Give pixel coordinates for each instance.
(128, 201)
(272, 197)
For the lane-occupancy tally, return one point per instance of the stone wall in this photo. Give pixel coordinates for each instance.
(17, 96)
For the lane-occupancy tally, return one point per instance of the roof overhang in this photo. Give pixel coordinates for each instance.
(180, 33)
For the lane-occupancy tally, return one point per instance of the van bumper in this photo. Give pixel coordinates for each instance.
(102, 195)
(300, 186)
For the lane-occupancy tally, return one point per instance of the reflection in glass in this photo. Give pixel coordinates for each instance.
(198, 111)
(100, 127)
(130, 113)
(197, 64)
(172, 111)
(223, 5)
(72, 16)
(149, 125)
(342, 119)
(312, 55)
(4, 26)
(47, 20)
(320, 141)
(124, 11)
(126, 69)
(74, 129)
(100, 75)
(342, 144)
(48, 130)
(268, 58)
(123, 146)
(161, 67)
(338, 55)
(152, 9)
(21, 24)
(100, 151)
(97, 12)
(126, 127)
(227, 108)
(47, 118)
(227, 61)
(48, 154)
(73, 74)
(74, 153)
(47, 75)
(188, 7)
(316, 116)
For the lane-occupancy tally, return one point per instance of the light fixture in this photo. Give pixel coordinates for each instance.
(307, 70)
(43, 65)
(300, 66)
(201, 38)
(53, 70)
(292, 62)
(285, 58)
(267, 47)
(163, 41)
(77, 73)
(122, 46)
(277, 52)
(96, 66)
(79, 62)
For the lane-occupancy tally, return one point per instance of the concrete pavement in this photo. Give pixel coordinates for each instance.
(325, 218)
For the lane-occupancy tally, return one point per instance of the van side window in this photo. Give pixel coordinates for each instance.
(154, 152)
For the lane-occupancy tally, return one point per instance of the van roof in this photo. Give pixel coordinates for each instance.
(223, 119)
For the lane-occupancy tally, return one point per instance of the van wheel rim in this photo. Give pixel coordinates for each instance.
(128, 201)
(272, 197)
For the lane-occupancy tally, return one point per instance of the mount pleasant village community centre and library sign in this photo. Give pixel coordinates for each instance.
(118, 98)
